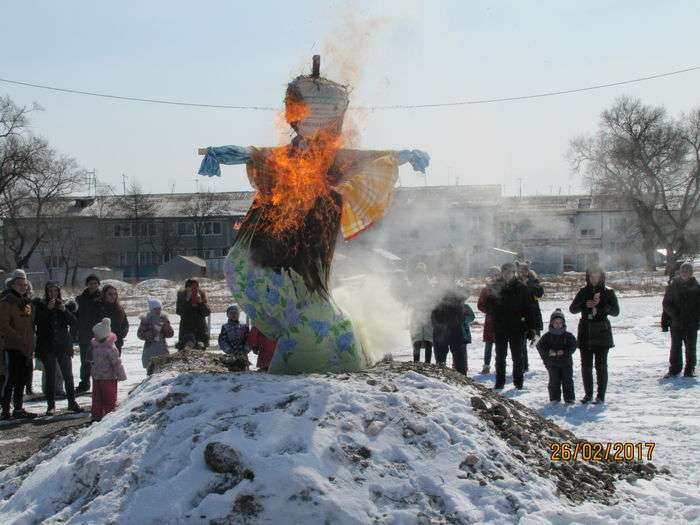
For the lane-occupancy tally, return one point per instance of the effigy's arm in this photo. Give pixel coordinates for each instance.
(215, 156)
(366, 180)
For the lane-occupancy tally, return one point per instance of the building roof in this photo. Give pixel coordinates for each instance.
(160, 205)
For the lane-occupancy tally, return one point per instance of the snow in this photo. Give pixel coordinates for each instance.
(299, 435)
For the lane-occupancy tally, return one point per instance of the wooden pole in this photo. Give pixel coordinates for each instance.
(316, 66)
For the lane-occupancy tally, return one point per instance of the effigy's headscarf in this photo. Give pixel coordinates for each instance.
(315, 105)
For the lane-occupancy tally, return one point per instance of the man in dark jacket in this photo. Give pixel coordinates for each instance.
(535, 290)
(17, 330)
(54, 346)
(682, 306)
(595, 302)
(514, 320)
(88, 311)
(193, 309)
(556, 348)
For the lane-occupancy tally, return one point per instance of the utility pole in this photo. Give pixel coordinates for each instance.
(124, 182)
(520, 191)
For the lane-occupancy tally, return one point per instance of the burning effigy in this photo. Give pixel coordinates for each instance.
(308, 193)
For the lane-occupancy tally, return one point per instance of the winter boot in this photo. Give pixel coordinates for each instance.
(669, 375)
(51, 411)
(6, 414)
(689, 373)
(20, 413)
(486, 370)
(75, 407)
(599, 401)
(586, 400)
(82, 388)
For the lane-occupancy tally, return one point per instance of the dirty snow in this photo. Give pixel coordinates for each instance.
(302, 435)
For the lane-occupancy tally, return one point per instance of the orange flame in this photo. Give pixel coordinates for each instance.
(293, 179)
(294, 110)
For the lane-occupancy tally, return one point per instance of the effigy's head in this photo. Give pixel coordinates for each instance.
(315, 106)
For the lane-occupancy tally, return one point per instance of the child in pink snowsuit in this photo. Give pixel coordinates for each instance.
(107, 369)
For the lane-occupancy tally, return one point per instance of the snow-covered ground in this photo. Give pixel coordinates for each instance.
(640, 407)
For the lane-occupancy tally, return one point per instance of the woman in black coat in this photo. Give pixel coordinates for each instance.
(193, 309)
(54, 345)
(109, 306)
(595, 302)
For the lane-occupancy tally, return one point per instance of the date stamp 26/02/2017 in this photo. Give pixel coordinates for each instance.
(599, 451)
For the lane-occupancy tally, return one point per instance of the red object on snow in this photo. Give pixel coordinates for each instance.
(489, 329)
(264, 345)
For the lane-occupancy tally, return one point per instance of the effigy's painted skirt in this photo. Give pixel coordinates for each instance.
(312, 334)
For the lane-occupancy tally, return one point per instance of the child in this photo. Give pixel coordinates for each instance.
(106, 370)
(233, 338)
(154, 329)
(556, 348)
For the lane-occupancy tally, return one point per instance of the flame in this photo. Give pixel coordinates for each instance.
(237, 225)
(294, 110)
(297, 176)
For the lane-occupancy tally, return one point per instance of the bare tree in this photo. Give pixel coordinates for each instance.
(200, 210)
(651, 161)
(19, 150)
(30, 202)
(164, 239)
(140, 211)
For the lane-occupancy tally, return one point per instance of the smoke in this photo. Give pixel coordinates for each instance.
(365, 289)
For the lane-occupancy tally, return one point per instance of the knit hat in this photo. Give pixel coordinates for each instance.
(687, 266)
(17, 274)
(92, 277)
(154, 303)
(102, 329)
(233, 308)
(557, 314)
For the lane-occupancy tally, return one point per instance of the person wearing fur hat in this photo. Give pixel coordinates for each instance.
(54, 345)
(193, 309)
(17, 331)
(681, 305)
(88, 310)
(233, 338)
(595, 302)
(154, 329)
(106, 370)
(535, 290)
(482, 304)
(556, 347)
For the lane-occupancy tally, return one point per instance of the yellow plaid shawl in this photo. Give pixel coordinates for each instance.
(367, 193)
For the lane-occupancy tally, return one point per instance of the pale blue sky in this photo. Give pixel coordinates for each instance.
(406, 52)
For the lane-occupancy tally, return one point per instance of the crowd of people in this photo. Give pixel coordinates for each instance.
(510, 301)
(49, 326)
(47, 329)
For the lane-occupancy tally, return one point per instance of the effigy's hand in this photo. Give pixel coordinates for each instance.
(419, 160)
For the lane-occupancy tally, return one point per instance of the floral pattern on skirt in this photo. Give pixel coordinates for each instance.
(312, 333)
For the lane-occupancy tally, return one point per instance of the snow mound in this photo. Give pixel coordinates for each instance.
(400, 443)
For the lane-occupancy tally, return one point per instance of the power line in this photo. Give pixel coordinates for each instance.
(369, 108)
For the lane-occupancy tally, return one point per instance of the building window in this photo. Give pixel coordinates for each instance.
(185, 228)
(589, 232)
(122, 230)
(584, 203)
(211, 228)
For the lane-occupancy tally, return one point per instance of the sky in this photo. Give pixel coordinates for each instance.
(389, 52)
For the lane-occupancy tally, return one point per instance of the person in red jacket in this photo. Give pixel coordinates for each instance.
(489, 336)
(263, 346)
